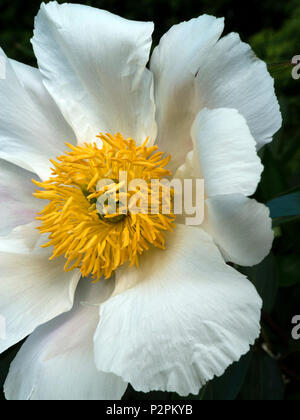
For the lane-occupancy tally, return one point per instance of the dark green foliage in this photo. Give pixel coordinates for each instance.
(263, 381)
(271, 370)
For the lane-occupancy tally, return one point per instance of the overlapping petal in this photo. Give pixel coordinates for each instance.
(232, 76)
(93, 64)
(33, 290)
(180, 319)
(56, 362)
(241, 227)
(225, 157)
(194, 70)
(225, 152)
(32, 129)
(175, 63)
(18, 206)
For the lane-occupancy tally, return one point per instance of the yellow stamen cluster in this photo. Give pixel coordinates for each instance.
(99, 243)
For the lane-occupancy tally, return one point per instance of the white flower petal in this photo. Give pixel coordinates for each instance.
(57, 361)
(175, 63)
(93, 63)
(194, 70)
(241, 227)
(231, 76)
(32, 129)
(33, 290)
(18, 206)
(185, 317)
(226, 152)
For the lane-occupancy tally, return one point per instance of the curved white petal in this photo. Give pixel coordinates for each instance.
(231, 76)
(241, 227)
(178, 320)
(18, 206)
(226, 152)
(93, 64)
(57, 361)
(175, 63)
(33, 290)
(32, 129)
(194, 70)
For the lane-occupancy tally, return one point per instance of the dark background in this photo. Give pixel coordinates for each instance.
(271, 371)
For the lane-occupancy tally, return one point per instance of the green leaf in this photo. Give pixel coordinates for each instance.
(263, 381)
(272, 181)
(278, 68)
(286, 205)
(279, 221)
(264, 278)
(289, 270)
(294, 397)
(227, 386)
(293, 347)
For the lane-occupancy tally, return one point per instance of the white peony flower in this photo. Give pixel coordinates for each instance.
(182, 315)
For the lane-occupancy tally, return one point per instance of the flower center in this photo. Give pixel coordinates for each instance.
(106, 205)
